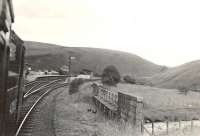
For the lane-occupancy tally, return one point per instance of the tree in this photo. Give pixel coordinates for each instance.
(74, 85)
(110, 76)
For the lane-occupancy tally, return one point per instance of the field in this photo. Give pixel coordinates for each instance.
(160, 104)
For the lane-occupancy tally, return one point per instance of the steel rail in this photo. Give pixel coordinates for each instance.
(42, 87)
(34, 105)
(33, 87)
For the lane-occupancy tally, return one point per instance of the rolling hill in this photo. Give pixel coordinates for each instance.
(52, 57)
(186, 75)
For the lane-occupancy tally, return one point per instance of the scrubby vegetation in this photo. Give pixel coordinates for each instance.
(74, 85)
(184, 90)
(136, 80)
(129, 79)
(112, 128)
(110, 76)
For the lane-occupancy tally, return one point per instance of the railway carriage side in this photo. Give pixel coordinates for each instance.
(11, 71)
(15, 81)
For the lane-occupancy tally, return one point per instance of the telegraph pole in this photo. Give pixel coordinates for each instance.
(69, 66)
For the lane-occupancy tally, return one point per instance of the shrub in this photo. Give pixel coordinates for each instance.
(184, 90)
(129, 79)
(74, 85)
(110, 76)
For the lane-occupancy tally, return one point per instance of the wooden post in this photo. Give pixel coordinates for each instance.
(109, 96)
(167, 124)
(142, 128)
(104, 109)
(112, 98)
(152, 127)
(179, 124)
(192, 124)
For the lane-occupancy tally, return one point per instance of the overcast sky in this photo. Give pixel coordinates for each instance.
(166, 32)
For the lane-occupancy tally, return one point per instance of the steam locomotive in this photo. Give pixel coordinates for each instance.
(12, 51)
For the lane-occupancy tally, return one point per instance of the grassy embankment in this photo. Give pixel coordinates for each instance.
(72, 117)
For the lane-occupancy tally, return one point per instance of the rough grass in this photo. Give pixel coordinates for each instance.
(73, 119)
(160, 104)
(186, 132)
(111, 128)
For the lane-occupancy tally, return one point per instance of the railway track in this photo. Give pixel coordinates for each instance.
(33, 85)
(32, 99)
(40, 86)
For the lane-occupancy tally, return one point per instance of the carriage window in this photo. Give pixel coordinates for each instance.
(12, 52)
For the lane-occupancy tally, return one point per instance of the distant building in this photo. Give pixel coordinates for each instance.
(64, 70)
(86, 74)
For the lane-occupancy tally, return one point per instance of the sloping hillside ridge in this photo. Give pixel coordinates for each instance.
(186, 75)
(49, 56)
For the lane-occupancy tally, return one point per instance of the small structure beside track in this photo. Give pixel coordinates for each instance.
(118, 104)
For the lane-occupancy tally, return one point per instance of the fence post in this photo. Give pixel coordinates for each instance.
(179, 124)
(192, 124)
(167, 124)
(142, 128)
(152, 128)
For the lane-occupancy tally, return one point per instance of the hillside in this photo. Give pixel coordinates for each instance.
(49, 56)
(187, 75)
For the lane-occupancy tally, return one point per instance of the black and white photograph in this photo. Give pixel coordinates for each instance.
(99, 68)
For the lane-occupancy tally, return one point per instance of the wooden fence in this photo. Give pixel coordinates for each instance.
(129, 107)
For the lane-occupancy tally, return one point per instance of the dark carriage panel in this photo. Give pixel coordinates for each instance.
(15, 81)
(11, 71)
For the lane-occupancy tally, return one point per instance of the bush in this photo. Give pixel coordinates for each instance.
(110, 76)
(184, 90)
(74, 85)
(129, 79)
